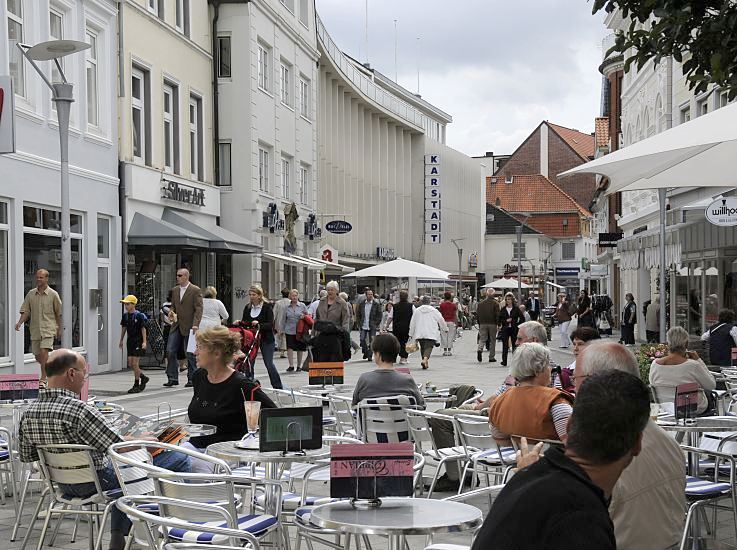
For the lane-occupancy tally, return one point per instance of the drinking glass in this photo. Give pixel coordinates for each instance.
(253, 409)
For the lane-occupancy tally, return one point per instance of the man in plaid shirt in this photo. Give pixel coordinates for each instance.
(59, 417)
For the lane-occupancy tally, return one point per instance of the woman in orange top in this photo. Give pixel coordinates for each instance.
(532, 408)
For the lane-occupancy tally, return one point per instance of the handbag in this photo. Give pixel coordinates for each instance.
(604, 323)
(411, 346)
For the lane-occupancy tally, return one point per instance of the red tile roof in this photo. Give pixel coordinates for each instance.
(601, 133)
(534, 194)
(582, 143)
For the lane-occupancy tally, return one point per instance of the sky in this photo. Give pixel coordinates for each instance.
(498, 67)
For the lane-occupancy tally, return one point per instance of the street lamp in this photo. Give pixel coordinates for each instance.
(460, 260)
(62, 95)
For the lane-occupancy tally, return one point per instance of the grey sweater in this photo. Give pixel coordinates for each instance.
(385, 383)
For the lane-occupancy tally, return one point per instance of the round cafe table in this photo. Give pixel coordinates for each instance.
(692, 427)
(398, 517)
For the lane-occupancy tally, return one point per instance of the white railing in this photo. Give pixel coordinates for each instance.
(375, 93)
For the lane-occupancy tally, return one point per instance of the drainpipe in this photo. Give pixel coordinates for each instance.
(121, 165)
(215, 93)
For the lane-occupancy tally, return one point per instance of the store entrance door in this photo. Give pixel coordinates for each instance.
(103, 318)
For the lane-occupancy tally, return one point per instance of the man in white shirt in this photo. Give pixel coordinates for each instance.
(312, 308)
(649, 499)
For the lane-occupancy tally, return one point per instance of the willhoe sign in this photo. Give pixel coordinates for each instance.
(722, 212)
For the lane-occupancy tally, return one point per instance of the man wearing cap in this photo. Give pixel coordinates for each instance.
(133, 323)
(42, 306)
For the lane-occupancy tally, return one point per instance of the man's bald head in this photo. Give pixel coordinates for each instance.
(61, 360)
(601, 356)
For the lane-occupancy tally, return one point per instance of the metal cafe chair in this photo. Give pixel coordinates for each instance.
(226, 531)
(69, 464)
(483, 453)
(384, 419)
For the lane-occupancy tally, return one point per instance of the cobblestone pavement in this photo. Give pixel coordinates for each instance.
(461, 367)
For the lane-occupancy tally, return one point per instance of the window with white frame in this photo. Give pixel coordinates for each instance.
(263, 169)
(304, 12)
(156, 7)
(722, 98)
(93, 106)
(181, 16)
(286, 83)
(286, 174)
(568, 251)
(264, 67)
(518, 252)
(56, 32)
(195, 137)
(703, 107)
(171, 127)
(140, 114)
(289, 4)
(304, 97)
(685, 114)
(15, 36)
(225, 174)
(304, 184)
(223, 57)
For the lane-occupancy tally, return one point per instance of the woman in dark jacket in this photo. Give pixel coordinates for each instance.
(510, 317)
(584, 312)
(402, 315)
(258, 313)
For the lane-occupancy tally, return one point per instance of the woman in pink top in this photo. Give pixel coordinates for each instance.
(449, 311)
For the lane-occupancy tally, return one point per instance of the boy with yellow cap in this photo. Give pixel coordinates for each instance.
(134, 324)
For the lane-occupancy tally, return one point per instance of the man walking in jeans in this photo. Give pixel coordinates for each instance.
(368, 317)
(186, 307)
(488, 315)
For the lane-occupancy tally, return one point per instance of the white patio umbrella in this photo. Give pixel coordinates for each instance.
(505, 284)
(401, 269)
(698, 153)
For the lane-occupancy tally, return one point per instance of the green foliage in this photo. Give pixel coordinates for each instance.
(701, 34)
(645, 357)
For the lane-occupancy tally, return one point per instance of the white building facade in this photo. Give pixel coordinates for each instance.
(30, 202)
(267, 95)
(379, 148)
(702, 263)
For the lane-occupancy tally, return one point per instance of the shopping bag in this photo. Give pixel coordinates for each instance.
(604, 323)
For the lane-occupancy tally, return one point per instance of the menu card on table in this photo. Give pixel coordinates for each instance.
(326, 373)
(372, 471)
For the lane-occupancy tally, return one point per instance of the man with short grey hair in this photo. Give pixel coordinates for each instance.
(532, 331)
(648, 500)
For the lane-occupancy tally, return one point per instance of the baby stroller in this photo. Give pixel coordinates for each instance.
(250, 343)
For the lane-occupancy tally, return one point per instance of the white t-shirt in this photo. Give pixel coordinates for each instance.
(182, 290)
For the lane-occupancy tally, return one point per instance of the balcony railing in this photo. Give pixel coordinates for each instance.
(375, 93)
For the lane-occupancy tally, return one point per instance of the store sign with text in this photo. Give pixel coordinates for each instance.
(722, 212)
(179, 192)
(432, 199)
(338, 227)
(384, 253)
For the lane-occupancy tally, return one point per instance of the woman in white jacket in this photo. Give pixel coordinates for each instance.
(425, 327)
(213, 310)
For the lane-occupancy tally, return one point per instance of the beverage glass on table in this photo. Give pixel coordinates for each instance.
(253, 409)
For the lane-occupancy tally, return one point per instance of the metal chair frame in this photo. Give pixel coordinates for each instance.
(474, 434)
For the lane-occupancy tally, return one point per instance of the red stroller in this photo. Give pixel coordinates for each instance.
(250, 343)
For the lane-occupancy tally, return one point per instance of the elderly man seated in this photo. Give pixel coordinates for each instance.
(58, 417)
(531, 408)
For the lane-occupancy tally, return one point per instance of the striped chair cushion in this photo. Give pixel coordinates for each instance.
(393, 417)
(254, 524)
(302, 515)
(292, 501)
(707, 466)
(259, 472)
(4, 454)
(329, 420)
(697, 488)
(491, 456)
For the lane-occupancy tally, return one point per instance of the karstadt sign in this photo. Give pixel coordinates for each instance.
(722, 212)
(7, 116)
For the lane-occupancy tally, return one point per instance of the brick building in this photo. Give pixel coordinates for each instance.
(551, 149)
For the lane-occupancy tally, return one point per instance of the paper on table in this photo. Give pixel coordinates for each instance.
(191, 342)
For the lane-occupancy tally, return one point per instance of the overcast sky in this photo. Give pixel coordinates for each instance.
(499, 67)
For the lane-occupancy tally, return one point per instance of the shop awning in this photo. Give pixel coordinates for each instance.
(220, 239)
(298, 261)
(175, 230)
(332, 266)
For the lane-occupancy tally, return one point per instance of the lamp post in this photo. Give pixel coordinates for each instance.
(63, 96)
(460, 261)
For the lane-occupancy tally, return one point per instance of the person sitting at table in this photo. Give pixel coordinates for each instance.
(220, 391)
(680, 366)
(59, 417)
(384, 380)
(531, 408)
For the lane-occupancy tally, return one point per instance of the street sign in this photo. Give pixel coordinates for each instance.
(339, 227)
(7, 116)
(609, 240)
(722, 212)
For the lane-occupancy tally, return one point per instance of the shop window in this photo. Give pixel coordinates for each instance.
(44, 251)
(41, 218)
